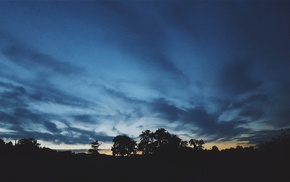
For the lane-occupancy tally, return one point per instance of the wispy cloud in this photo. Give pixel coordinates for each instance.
(32, 59)
(236, 78)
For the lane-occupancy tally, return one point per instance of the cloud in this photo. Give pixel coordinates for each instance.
(20, 93)
(166, 110)
(86, 118)
(256, 137)
(236, 78)
(145, 39)
(122, 96)
(209, 125)
(47, 94)
(12, 96)
(87, 136)
(251, 108)
(50, 127)
(23, 123)
(20, 116)
(203, 123)
(252, 100)
(82, 138)
(254, 114)
(6, 118)
(30, 59)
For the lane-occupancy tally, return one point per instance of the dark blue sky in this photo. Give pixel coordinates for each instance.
(73, 71)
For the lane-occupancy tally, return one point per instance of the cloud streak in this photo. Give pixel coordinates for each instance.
(29, 58)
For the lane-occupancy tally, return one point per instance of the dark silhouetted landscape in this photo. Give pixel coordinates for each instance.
(268, 161)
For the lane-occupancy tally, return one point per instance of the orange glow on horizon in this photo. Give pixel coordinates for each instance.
(226, 145)
(105, 151)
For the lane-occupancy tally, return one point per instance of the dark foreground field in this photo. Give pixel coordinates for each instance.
(235, 167)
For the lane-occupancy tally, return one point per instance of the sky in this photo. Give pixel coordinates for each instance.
(75, 71)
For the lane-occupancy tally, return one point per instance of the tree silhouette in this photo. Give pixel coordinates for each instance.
(146, 144)
(162, 137)
(215, 148)
(3, 146)
(281, 142)
(174, 144)
(160, 142)
(183, 144)
(2, 143)
(94, 147)
(238, 147)
(28, 146)
(197, 144)
(123, 145)
(29, 143)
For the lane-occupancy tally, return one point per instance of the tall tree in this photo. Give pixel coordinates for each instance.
(162, 137)
(123, 145)
(159, 142)
(146, 144)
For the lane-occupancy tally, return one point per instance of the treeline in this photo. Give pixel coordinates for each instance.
(163, 157)
(160, 142)
(24, 147)
(157, 143)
